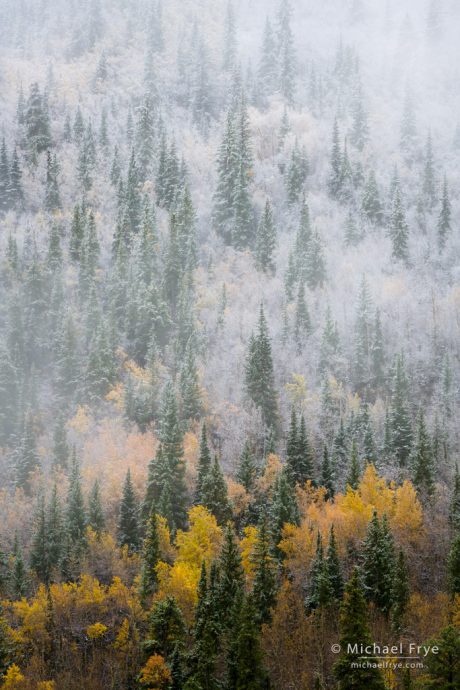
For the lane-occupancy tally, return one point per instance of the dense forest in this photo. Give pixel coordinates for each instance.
(229, 344)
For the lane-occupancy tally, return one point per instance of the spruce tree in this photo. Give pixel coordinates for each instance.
(128, 521)
(247, 469)
(214, 493)
(333, 568)
(354, 630)
(400, 593)
(371, 204)
(75, 514)
(302, 326)
(422, 459)
(259, 375)
(401, 426)
(454, 512)
(150, 558)
(39, 553)
(264, 587)
(453, 566)
(244, 659)
(287, 67)
(96, 517)
(61, 449)
(267, 72)
(315, 268)
(204, 464)
(283, 510)
(265, 241)
(335, 180)
(444, 219)
(399, 230)
(231, 580)
(27, 459)
(379, 564)
(327, 475)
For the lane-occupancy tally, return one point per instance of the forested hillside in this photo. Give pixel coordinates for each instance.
(229, 343)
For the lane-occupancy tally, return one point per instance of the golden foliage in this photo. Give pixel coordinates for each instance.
(247, 547)
(238, 496)
(96, 631)
(272, 469)
(155, 675)
(201, 543)
(13, 680)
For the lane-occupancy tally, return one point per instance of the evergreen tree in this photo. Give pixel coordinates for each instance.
(444, 667)
(422, 459)
(302, 327)
(378, 352)
(408, 128)
(315, 268)
(354, 630)
(150, 558)
(259, 379)
(399, 230)
(128, 521)
(267, 72)
(379, 564)
(39, 553)
(264, 588)
(360, 129)
(215, 495)
(244, 660)
(371, 204)
(204, 464)
(283, 510)
(296, 174)
(352, 234)
(401, 426)
(231, 581)
(36, 121)
(335, 180)
(454, 513)
(52, 196)
(247, 469)
(453, 566)
(189, 385)
(265, 241)
(333, 568)
(61, 450)
(75, 515)
(400, 593)
(96, 518)
(286, 53)
(429, 183)
(327, 475)
(445, 214)
(27, 459)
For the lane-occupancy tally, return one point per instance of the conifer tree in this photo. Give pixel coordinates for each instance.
(401, 426)
(264, 588)
(354, 630)
(454, 512)
(429, 183)
(52, 196)
(215, 495)
(315, 268)
(75, 514)
(259, 375)
(352, 234)
(39, 554)
(453, 566)
(296, 174)
(302, 326)
(327, 475)
(96, 517)
(444, 219)
(399, 230)
(231, 578)
(283, 510)
(443, 668)
(150, 558)
(286, 54)
(371, 204)
(422, 459)
(244, 659)
(265, 241)
(247, 468)
(61, 450)
(204, 464)
(27, 459)
(400, 593)
(335, 176)
(360, 128)
(267, 72)
(379, 564)
(408, 128)
(378, 352)
(36, 121)
(333, 568)
(128, 521)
